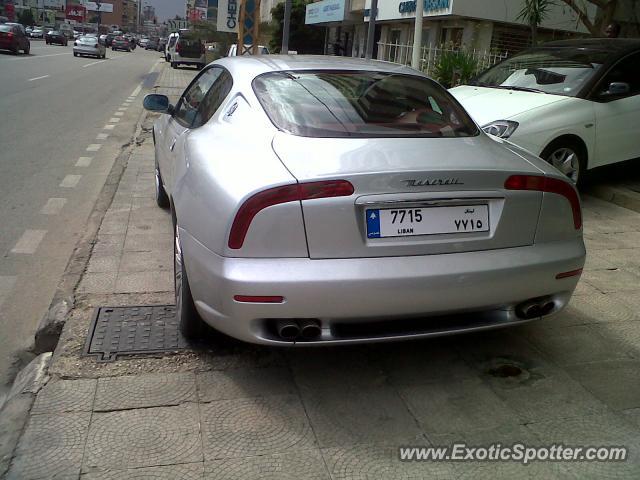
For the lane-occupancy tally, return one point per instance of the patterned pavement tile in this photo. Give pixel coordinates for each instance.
(143, 438)
(51, 447)
(189, 471)
(65, 396)
(607, 429)
(138, 391)
(380, 462)
(244, 382)
(305, 464)
(254, 426)
(346, 417)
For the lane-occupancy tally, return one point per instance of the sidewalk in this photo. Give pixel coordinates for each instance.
(239, 411)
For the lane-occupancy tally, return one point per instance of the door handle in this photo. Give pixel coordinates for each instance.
(173, 144)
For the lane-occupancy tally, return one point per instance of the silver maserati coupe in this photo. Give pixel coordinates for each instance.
(327, 200)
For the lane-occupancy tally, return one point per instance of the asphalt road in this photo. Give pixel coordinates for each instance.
(54, 107)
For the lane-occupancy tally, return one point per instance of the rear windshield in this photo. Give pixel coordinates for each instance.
(87, 40)
(360, 104)
(5, 28)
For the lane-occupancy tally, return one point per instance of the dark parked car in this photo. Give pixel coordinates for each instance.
(121, 43)
(152, 44)
(108, 41)
(56, 37)
(13, 37)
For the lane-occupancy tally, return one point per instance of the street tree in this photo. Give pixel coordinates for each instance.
(606, 10)
(302, 38)
(533, 13)
(26, 18)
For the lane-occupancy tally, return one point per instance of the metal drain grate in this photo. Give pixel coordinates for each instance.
(117, 331)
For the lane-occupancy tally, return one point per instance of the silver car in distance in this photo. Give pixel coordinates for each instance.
(324, 200)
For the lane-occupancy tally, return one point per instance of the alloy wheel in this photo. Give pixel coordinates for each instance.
(177, 269)
(567, 161)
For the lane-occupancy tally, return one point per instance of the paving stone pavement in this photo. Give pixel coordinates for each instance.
(242, 412)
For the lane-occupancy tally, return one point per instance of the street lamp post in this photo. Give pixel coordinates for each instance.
(416, 55)
(99, 5)
(373, 13)
(285, 27)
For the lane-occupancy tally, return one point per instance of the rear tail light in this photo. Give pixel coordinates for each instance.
(10, 34)
(549, 185)
(178, 47)
(277, 195)
(202, 48)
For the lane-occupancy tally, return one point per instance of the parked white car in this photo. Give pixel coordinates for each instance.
(575, 103)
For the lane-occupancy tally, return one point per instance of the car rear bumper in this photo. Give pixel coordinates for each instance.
(438, 294)
(87, 51)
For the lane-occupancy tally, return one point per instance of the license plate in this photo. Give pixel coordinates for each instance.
(406, 222)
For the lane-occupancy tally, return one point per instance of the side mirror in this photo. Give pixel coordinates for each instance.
(616, 89)
(157, 103)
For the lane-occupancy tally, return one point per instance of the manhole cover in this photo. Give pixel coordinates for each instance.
(505, 371)
(116, 331)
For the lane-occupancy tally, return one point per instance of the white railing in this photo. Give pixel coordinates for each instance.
(399, 53)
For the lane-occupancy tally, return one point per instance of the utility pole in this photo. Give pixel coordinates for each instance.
(99, 5)
(285, 27)
(416, 55)
(373, 13)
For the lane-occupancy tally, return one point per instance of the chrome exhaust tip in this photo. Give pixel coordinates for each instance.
(535, 308)
(310, 329)
(288, 330)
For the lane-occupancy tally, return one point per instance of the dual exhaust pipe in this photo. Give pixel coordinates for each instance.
(292, 330)
(535, 308)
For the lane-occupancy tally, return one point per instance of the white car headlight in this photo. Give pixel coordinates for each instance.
(501, 128)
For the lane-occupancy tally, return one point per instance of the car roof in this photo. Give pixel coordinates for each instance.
(613, 45)
(254, 65)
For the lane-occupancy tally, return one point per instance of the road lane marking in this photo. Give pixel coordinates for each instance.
(109, 127)
(119, 114)
(38, 78)
(38, 56)
(6, 285)
(29, 241)
(123, 109)
(94, 147)
(136, 91)
(93, 63)
(83, 162)
(70, 181)
(53, 206)
(114, 120)
(102, 136)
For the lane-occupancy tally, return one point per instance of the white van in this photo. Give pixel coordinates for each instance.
(169, 49)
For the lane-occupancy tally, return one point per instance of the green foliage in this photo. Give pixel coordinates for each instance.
(533, 13)
(26, 18)
(455, 67)
(302, 38)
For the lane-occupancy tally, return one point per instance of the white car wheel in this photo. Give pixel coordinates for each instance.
(567, 157)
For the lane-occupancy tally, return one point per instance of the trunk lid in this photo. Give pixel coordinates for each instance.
(413, 175)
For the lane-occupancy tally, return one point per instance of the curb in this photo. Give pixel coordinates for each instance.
(14, 412)
(50, 327)
(620, 196)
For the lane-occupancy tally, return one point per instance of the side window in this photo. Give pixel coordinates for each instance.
(625, 71)
(189, 104)
(215, 97)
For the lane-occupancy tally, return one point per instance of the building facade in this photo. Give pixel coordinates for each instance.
(487, 25)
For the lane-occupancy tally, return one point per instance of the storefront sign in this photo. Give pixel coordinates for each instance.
(227, 16)
(429, 6)
(99, 7)
(325, 11)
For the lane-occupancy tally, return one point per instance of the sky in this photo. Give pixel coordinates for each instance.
(166, 9)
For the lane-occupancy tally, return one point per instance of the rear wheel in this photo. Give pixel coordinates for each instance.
(189, 321)
(27, 49)
(174, 65)
(569, 157)
(75, 54)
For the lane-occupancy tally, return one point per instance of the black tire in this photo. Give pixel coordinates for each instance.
(75, 54)
(16, 51)
(162, 199)
(189, 322)
(573, 167)
(27, 50)
(174, 65)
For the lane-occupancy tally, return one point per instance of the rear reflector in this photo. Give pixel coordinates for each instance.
(572, 273)
(284, 194)
(258, 299)
(549, 185)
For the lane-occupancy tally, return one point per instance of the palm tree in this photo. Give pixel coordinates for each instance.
(534, 12)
